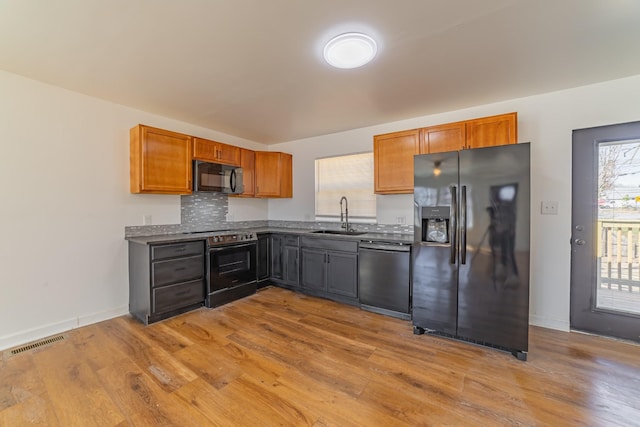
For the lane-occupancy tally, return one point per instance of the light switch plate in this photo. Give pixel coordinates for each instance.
(146, 219)
(549, 207)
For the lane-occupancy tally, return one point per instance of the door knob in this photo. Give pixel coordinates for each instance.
(580, 242)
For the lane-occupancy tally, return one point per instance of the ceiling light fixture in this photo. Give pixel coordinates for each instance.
(350, 50)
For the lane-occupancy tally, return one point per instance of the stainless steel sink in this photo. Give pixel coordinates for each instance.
(341, 232)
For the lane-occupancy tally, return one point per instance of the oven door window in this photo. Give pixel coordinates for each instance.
(232, 266)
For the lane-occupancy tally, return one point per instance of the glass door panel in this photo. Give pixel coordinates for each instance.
(618, 227)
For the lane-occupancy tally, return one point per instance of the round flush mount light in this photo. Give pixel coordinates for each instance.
(350, 50)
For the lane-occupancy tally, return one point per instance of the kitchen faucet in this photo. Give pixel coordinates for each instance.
(345, 224)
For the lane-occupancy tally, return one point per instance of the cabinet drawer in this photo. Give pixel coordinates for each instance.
(177, 250)
(291, 240)
(177, 296)
(330, 244)
(177, 270)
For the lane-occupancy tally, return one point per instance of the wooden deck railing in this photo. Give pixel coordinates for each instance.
(618, 255)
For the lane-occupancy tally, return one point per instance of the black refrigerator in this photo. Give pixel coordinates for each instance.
(470, 262)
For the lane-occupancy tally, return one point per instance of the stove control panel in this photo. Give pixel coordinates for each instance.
(225, 239)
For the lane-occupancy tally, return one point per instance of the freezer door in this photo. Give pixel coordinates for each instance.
(434, 264)
(435, 290)
(493, 278)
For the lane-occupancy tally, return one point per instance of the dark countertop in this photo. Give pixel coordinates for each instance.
(185, 237)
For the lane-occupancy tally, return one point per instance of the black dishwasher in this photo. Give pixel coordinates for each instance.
(384, 277)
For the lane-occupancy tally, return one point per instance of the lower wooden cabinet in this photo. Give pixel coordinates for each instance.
(165, 279)
(342, 274)
(329, 268)
(263, 256)
(285, 254)
(314, 269)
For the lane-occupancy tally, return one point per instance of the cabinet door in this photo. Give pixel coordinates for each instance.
(276, 257)
(291, 266)
(342, 273)
(273, 174)
(490, 131)
(216, 152)
(314, 273)
(160, 161)
(229, 154)
(248, 165)
(393, 161)
(437, 139)
(263, 257)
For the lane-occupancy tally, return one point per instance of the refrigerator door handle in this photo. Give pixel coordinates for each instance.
(463, 225)
(454, 224)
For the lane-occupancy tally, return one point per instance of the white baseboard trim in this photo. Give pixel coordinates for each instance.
(90, 319)
(545, 322)
(34, 334)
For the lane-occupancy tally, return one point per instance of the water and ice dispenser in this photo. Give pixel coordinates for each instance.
(435, 224)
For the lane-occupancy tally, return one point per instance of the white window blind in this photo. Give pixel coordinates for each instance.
(350, 176)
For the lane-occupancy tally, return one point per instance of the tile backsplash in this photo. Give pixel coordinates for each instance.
(203, 211)
(208, 211)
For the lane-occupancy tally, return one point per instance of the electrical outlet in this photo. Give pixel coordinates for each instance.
(401, 220)
(146, 219)
(549, 208)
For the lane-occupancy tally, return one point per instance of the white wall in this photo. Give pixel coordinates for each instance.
(546, 121)
(65, 197)
(65, 202)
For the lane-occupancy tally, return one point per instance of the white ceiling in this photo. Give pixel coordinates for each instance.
(254, 68)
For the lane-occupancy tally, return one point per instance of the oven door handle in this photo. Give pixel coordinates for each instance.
(222, 248)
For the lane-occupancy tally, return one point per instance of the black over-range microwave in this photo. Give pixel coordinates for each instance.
(217, 178)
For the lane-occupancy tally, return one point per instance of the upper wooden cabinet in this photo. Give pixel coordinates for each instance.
(215, 152)
(437, 139)
(273, 174)
(490, 131)
(393, 161)
(248, 165)
(160, 161)
(393, 152)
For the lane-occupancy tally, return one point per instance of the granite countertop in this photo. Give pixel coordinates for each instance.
(185, 237)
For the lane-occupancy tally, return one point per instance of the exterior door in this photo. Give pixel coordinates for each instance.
(605, 240)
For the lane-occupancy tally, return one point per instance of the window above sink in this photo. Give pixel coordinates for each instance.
(350, 176)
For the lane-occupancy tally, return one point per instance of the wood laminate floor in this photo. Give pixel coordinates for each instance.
(281, 358)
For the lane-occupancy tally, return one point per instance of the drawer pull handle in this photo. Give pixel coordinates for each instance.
(183, 293)
(180, 268)
(181, 249)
